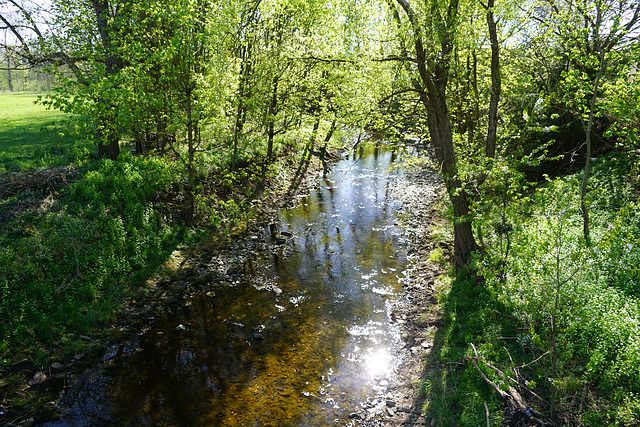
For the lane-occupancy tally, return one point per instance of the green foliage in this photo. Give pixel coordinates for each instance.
(597, 314)
(71, 264)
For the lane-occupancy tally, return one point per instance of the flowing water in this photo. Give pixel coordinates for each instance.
(303, 340)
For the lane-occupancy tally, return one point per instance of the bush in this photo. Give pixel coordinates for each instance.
(597, 313)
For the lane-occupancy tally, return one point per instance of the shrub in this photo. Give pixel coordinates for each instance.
(597, 315)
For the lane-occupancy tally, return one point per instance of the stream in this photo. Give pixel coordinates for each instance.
(303, 338)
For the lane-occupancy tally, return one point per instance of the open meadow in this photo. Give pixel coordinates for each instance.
(31, 136)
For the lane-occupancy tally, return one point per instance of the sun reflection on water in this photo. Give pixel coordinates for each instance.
(378, 363)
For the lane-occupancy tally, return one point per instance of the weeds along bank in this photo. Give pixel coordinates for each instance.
(69, 254)
(557, 320)
(68, 259)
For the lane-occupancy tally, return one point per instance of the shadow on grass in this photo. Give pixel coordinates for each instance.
(32, 146)
(453, 392)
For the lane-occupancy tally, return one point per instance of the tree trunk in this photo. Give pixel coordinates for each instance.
(432, 88)
(585, 178)
(237, 129)
(464, 243)
(323, 149)
(314, 134)
(271, 118)
(245, 72)
(108, 141)
(10, 81)
(191, 189)
(496, 84)
(108, 138)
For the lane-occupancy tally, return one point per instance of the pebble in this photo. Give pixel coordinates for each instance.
(57, 367)
(38, 378)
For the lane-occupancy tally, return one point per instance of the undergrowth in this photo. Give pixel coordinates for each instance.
(65, 265)
(69, 257)
(560, 318)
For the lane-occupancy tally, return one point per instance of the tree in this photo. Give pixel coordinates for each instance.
(589, 33)
(431, 84)
(89, 51)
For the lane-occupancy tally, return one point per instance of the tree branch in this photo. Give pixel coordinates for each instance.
(398, 92)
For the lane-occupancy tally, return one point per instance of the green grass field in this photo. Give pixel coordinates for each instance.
(31, 136)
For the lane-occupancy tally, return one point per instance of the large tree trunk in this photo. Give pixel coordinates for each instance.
(432, 88)
(441, 135)
(108, 145)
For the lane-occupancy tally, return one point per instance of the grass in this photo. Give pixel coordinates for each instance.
(31, 136)
(506, 311)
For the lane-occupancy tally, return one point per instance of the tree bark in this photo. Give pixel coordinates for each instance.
(323, 149)
(585, 178)
(587, 165)
(191, 189)
(271, 118)
(245, 73)
(432, 88)
(108, 138)
(10, 81)
(108, 141)
(496, 84)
